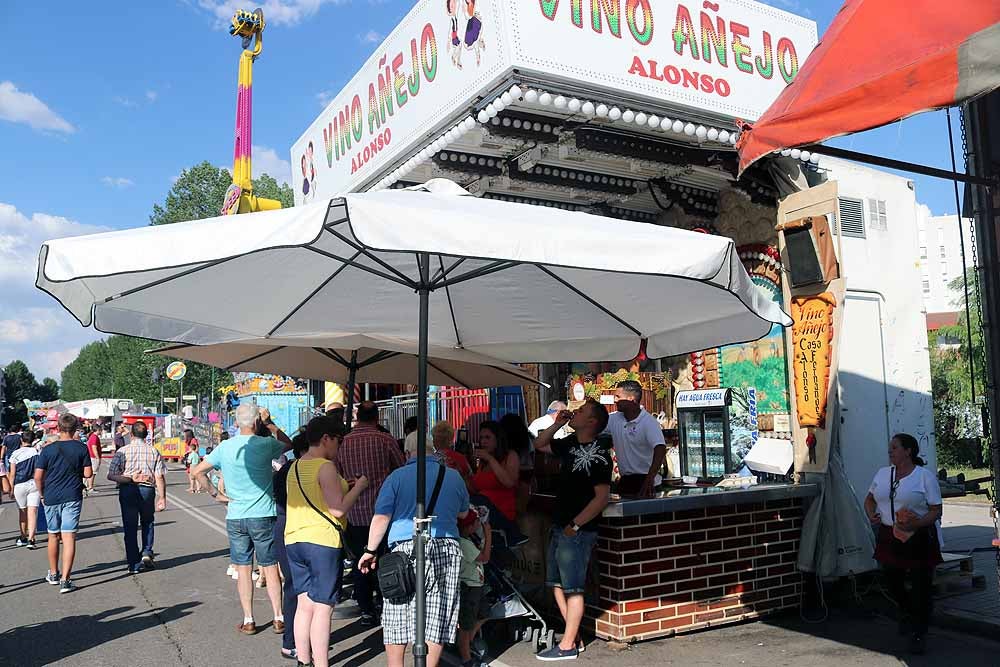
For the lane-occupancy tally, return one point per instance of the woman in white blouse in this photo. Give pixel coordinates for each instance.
(904, 502)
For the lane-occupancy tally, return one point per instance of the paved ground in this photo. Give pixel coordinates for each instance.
(967, 527)
(185, 612)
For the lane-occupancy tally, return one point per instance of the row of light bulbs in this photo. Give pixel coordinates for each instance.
(613, 113)
(489, 114)
(472, 160)
(798, 154)
(582, 177)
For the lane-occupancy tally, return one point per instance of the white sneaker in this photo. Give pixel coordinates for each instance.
(231, 571)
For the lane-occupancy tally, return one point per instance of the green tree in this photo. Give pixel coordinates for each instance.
(268, 187)
(119, 367)
(198, 193)
(20, 385)
(48, 390)
(957, 419)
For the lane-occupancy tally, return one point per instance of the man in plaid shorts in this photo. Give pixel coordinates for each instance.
(395, 508)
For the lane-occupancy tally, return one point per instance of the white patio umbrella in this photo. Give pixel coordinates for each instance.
(512, 281)
(353, 358)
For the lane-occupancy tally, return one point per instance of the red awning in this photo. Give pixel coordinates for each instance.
(882, 60)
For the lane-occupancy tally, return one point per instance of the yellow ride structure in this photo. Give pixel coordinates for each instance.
(249, 26)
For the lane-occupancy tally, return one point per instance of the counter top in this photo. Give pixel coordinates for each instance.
(695, 497)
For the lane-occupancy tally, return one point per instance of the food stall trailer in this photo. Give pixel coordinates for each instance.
(627, 110)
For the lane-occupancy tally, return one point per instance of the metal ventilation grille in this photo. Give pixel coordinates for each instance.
(851, 218)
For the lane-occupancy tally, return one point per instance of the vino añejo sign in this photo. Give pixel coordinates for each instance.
(730, 58)
(812, 339)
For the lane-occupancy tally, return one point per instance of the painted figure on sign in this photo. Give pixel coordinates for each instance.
(454, 41)
(312, 169)
(305, 179)
(474, 30)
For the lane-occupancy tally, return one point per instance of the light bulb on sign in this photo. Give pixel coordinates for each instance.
(602, 110)
(531, 96)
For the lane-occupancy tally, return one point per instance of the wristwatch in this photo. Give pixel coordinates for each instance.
(575, 528)
(370, 552)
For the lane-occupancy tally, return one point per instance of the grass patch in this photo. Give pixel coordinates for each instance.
(971, 473)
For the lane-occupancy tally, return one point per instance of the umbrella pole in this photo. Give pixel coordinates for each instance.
(352, 375)
(420, 643)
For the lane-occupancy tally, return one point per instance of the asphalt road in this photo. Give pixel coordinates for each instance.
(185, 612)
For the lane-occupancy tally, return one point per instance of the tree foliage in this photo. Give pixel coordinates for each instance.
(957, 419)
(198, 193)
(119, 367)
(20, 384)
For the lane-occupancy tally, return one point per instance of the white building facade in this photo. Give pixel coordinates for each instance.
(940, 253)
(885, 385)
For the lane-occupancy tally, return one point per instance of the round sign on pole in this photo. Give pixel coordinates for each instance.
(177, 370)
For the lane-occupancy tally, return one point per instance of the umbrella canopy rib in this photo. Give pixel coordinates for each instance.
(367, 253)
(355, 264)
(377, 358)
(444, 272)
(451, 306)
(255, 357)
(333, 356)
(182, 274)
(447, 374)
(494, 267)
(589, 300)
(311, 295)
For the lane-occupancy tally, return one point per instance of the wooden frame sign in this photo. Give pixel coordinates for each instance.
(812, 339)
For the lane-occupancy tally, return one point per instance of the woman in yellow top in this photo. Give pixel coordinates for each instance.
(318, 500)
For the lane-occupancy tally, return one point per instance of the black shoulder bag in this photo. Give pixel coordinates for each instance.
(396, 577)
(337, 526)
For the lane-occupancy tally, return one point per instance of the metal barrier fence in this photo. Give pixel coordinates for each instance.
(463, 408)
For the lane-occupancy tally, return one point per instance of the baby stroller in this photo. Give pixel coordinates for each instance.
(508, 603)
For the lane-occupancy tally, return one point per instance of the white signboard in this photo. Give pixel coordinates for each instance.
(731, 57)
(436, 61)
(701, 398)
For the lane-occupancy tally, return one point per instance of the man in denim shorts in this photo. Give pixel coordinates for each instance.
(581, 495)
(60, 469)
(245, 463)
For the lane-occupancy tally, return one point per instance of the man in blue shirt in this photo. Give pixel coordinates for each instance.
(394, 511)
(245, 463)
(60, 469)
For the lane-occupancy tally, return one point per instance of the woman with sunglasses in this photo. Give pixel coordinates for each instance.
(904, 503)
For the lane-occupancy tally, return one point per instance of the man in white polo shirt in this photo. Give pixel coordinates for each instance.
(638, 442)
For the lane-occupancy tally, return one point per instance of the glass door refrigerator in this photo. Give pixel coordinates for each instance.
(717, 427)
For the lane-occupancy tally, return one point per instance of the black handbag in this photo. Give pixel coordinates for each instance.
(337, 526)
(920, 544)
(396, 577)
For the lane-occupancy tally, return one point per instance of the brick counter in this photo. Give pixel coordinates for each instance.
(666, 572)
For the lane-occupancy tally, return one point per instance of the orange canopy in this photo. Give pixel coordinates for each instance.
(879, 61)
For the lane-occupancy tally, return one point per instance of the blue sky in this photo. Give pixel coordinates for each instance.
(102, 107)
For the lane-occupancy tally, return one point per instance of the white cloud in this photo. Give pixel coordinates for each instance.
(151, 96)
(324, 97)
(22, 236)
(276, 12)
(33, 327)
(126, 102)
(266, 161)
(18, 106)
(371, 37)
(118, 182)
